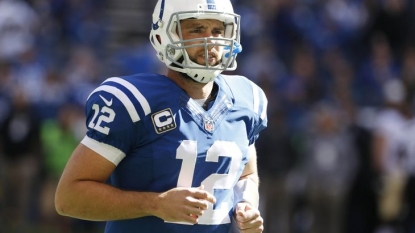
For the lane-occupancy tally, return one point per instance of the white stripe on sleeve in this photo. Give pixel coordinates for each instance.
(264, 106)
(137, 94)
(255, 92)
(122, 97)
(112, 154)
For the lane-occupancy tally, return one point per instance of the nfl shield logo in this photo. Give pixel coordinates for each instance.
(209, 126)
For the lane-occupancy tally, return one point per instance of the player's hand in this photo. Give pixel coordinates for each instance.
(183, 204)
(248, 219)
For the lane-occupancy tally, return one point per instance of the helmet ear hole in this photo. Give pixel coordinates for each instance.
(158, 38)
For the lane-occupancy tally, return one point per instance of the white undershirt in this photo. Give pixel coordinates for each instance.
(201, 102)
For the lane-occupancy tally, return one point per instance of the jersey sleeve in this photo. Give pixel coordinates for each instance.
(260, 120)
(250, 99)
(112, 120)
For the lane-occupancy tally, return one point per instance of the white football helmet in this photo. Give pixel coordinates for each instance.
(166, 36)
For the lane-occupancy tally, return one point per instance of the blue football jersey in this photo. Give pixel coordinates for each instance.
(159, 138)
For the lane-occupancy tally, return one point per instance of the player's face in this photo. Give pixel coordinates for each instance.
(201, 28)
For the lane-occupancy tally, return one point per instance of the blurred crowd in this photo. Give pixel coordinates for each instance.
(338, 155)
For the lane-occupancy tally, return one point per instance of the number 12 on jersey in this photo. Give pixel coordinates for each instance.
(187, 152)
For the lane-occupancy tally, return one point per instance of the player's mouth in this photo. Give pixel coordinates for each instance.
(212, 57)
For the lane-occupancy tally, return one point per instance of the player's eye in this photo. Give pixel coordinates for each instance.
(196, 30)
(219, 32)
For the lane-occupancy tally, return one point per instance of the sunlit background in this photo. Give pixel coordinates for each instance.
(338, 155)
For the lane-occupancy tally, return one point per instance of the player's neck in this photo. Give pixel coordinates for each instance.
(194, 89)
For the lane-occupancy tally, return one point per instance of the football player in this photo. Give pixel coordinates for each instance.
(175, 152)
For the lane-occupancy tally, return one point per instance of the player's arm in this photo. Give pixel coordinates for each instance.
(247, 186)
(82, 193)
(247, 216)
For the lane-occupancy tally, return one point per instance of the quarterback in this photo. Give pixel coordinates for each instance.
(175, 152)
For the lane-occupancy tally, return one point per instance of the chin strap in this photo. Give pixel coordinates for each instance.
(246, 190)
